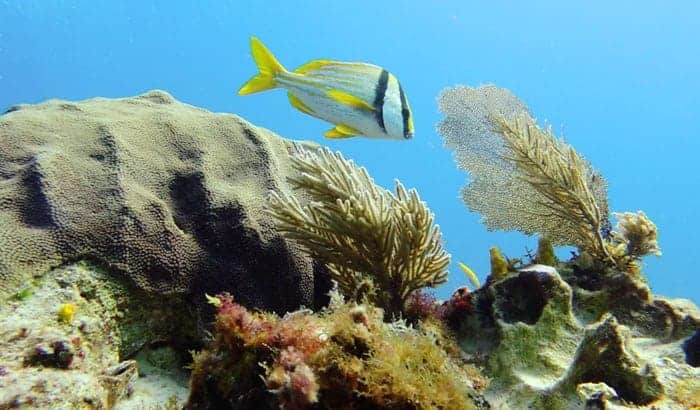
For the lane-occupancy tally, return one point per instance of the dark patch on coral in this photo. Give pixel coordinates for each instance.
(36, 211)
(190, 201)
(691, 347)
(588, 279)
(13, 109)
(596, 402)
(482, 300)
(322, 285)
(522, 298)
(233, 249)
(258, 145)
(108, 145)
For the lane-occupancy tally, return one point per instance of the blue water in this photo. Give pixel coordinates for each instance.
(620, 78)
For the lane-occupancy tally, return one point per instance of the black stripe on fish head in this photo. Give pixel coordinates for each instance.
(379, 93)
(405, 113)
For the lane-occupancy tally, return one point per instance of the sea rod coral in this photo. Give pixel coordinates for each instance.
(378, 246)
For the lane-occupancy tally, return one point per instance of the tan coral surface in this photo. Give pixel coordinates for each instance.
(163, 192)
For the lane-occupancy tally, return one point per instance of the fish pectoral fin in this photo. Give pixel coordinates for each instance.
(341, 131)
(299, 105)
(349, 100)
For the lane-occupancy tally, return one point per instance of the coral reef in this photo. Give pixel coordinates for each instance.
(167, 203)
(166, 194)
(542, 347)
(345, 357)
(51, 363)
(378, 246)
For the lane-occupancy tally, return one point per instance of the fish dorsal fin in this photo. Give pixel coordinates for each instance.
(312, 65)
(341, 131)
(299, 105)
(349, 100)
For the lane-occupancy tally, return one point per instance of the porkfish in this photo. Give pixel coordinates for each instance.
(357, 98)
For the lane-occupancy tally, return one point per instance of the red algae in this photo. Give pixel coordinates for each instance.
(342, 357)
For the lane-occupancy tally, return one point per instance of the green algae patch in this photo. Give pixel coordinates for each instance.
(537, 332)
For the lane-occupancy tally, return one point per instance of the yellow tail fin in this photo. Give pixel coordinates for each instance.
(268, 67)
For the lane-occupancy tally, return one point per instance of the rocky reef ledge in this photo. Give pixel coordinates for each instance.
(547, 342)
(139, 269)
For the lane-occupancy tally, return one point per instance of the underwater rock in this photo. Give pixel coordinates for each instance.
(543, 346)
(605, 355)
(167, 194)
(48, 363)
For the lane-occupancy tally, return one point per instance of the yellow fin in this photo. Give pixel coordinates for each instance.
(268, 66)
(213, 300)
(312, 65)
(470, 275)
(341, 131)
(349, 99)
(299, 105)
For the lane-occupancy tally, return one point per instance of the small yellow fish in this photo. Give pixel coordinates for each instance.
(470, 275)
(357, 98)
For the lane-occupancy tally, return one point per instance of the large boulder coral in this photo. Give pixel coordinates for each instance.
(167, 194)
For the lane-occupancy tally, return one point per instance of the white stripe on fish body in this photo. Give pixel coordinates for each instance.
(313, 92)
(393, 119)
(358, 79)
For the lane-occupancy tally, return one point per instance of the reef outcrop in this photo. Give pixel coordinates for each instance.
(547, 342)
(164, 193)
(118, 216)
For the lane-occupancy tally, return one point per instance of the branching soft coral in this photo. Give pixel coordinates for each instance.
(378, 246)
